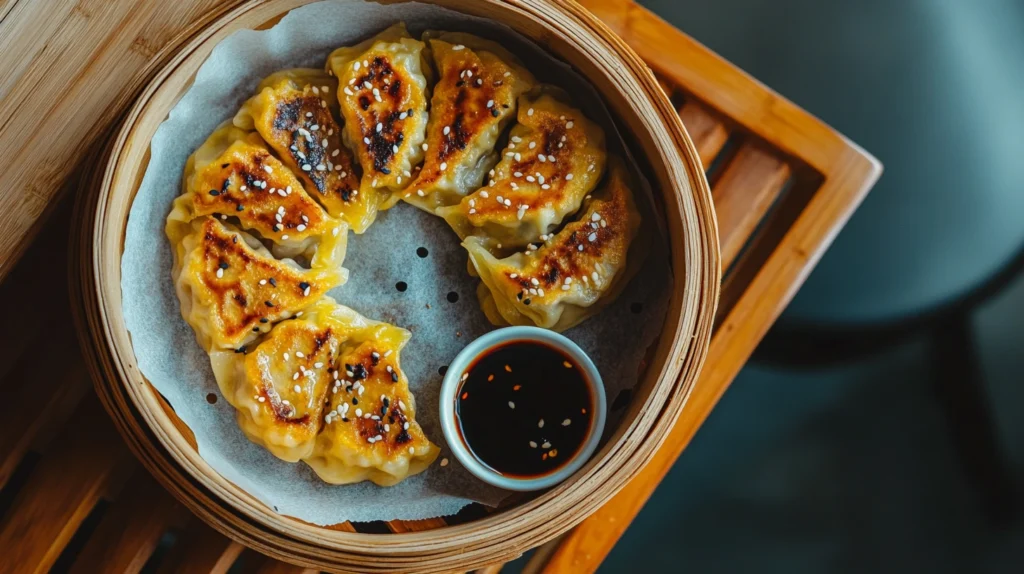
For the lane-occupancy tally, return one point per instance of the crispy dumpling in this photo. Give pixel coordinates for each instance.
(369, 430)
(573, 274)
(233, 174)
(279, 388)
(230, 287)
(293, 113)
(474, 99)
(383, 94)
(555, 157)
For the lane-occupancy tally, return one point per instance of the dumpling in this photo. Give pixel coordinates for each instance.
(369, 431)
(383, 94)
(573, 274)
(555, 157)
(293, 113)
(474, 100)
(230, 287)
(279, 388)
(234, 175)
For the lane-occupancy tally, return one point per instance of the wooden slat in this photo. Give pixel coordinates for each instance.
(747, 188)
(61, 490)
(708, 133)
(39, 395)
(416, 525)
(130, 529)
(201, 550)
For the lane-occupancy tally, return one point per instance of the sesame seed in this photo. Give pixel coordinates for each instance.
(321, 167)
(546, 445)
(220, 273)
(297, 389)
(511, 405)
(314, 127)
(551, 158)
(568, 125)
(579, 247)
(490, 103)
(457, 47)
(540, 424)
(529, 112)
(533, 145)
(444, 165)
(595, 217)
(566, 422)
(366, 141)
(380, 126)
(533, 444)
(444, 462)
(484, 194)
(424, 146)
(518, 157)
(545, 186)
(530, 179)
(513, 276)
(295, 376)
(420, 193)
(356, 66)
(568, 177)
(284, 238)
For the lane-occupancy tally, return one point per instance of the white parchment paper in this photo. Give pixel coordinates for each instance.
(386, 254)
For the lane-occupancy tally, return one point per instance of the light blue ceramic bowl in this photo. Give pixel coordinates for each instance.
(450, 387)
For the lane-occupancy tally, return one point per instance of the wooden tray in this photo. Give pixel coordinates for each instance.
(783, 183)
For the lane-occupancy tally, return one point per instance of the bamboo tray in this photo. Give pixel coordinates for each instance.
(474, 538)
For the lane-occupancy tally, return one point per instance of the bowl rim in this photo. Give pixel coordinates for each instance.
(632, 92)
(453, 380)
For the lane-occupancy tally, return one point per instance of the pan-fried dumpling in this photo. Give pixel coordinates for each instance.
(383, 96)
(293, 113)
(554, 158)
(369, 431)
(570, 276)
(234, 175)
(474, 99)
(279, 388)
(230, 287)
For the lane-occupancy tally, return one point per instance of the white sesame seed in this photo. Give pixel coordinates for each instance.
(580, 248)
(540, 424)
(511, 405)
(424, 146)
(356, 66)
(366, 141)
(542, 158)
(513, 276)
(529, 112)
(444, 462)
(335, 231)
(484, 194)
(533, 145)
(546, 445)
(318, 365)
(551, 158)
(444, 165)
(490, 103)
(518, 157)
(314, 127)
(568, 125)
(420, 193)
(359, 412)
(220, 272)
(297, 389)
(530, 179)
(568, 177)
(263, 281)
(566, 422)
(457, 47)
(305, 292)
(533, 444)
(295, 376)
(380, 126)
(287, 356)
(335, 153)
(367, 85)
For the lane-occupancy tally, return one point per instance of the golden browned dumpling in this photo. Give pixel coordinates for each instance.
(474, 99)
(555, 157)
(279, 388)
(293, 113)
(234, 175)
(369, 431)
(383, 96)
(230, 287)
(560, 282)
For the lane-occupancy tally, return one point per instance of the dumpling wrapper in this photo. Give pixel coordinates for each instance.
(292, 112)
(231, 288)
(279, 388)
(383, 93)
(234, 175)
(555, 157)
(473, 101)
(377, 439)
(572, 275)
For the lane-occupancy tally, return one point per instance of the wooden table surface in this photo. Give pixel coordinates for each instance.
(71, 495)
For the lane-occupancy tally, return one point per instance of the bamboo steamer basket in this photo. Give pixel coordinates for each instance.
(166, 447)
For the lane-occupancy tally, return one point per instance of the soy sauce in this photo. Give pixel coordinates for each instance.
(524, 408)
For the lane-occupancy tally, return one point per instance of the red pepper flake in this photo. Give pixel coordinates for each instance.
(465, 396)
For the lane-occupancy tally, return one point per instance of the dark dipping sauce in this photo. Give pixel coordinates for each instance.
(525, 408)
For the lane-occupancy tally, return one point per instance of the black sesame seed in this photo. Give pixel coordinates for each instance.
(394, 376)
(401, 286)
(240, 349)
(268, 303)
(442, 370)
(223, 165)
(264, 320)
(519, 295)
(234, 239)
(272, 281)
(386, 402)
(344, 419)
(303, 285)
(374, 359)
(453, 296)
(383, 410)
(495, 112)
(255, 329)
(385, 171)
(214, 192)
(355, 401)
(422, 251)
(526, 301)
(240, 208)
(223, 265)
